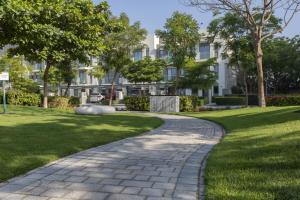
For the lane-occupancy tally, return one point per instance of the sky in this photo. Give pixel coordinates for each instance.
(153, 13)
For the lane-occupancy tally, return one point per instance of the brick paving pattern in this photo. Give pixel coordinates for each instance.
(163, 164)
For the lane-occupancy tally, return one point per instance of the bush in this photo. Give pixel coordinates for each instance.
(58, 102)
(283, 101)
(191, 103)
(137, 103)
(74, 101)
(229, 101)
(17, 97)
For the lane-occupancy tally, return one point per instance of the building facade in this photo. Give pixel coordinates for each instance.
(84, 82)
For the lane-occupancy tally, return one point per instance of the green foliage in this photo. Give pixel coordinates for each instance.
(198, 75)
(179, 38)
(97, 72)
(283, 101)
(63, 103)
(137, 103)
(74, 101)
(282, 61)
(19, 71)
(229, 101)
(120, 45)
(54, 31)
(191, 103)
(142, 103)
(17, 97)
(146, 70)
(58, 102)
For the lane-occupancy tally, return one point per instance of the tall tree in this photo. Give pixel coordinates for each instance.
(179, 37)
(238, 48)
(145, 71)
(258, 16)
(54, 30)
(120, 46)
(282, 64)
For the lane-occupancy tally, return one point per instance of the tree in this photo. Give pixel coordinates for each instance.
(179, 37)
(258, 16)
(238, 47)
(19, 71)
(98, 72)
(145, 71)
(54, 30)
(282, 61)
(198, 75)
(120, 46)
(67, 70)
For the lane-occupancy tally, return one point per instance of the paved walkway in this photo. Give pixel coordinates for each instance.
(161, 164)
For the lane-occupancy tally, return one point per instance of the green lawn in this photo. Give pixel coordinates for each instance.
(33, 137)
(259, 158)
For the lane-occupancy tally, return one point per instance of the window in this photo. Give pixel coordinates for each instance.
(137, 55)
(216, 90)
(204, 50)
(147, 52)
(161, 53)
(216, 70)
(171, 73)
(82, 77)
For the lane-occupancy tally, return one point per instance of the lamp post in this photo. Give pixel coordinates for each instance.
(4, 76)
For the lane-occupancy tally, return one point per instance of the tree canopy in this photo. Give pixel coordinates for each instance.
(54, 30)
(145, 71)
(179, 37)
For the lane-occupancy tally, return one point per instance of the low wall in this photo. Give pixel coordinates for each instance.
(164, 104)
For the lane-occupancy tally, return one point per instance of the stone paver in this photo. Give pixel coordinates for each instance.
(165, 163)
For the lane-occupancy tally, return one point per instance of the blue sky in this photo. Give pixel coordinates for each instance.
(153, 13)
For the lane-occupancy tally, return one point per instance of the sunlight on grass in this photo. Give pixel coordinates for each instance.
(259, 158)
(33, 137)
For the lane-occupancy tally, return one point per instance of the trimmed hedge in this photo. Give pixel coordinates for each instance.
(63, 102)
(137, 103)
(17, 97)
(229, 101)
(283, 101)
(142, 103)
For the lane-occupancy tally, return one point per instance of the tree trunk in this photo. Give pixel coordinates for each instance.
(112, 89)
(260, 73)
(46, 74)
(246, 88)
(67, 89)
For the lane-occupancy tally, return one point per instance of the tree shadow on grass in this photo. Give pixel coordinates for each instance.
(34, 140)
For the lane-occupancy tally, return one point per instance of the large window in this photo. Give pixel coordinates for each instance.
(137, 55)
(171, 73)
(204, 50)
(82, 77)
(216, 70)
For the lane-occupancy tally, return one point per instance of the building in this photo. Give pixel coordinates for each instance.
(84, 82)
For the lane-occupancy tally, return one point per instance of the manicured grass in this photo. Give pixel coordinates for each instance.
(33, 137)
(259, 158)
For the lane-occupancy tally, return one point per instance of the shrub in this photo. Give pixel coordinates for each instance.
(137, 103)
(74, 101)
(58, 102)
(283, 101)
(191, 103)
(17, 97)
(229, 100)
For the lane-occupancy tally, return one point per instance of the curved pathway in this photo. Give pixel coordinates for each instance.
(164, 163)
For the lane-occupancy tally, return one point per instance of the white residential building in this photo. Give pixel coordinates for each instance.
(86, 83)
